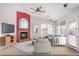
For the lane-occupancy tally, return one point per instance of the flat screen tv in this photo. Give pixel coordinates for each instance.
(7, 28)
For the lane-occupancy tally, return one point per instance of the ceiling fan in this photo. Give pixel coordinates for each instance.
(38, 10)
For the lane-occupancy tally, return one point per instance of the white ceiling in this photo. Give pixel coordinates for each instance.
(54, 10)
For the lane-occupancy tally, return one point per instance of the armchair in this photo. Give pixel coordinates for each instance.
(42, 46)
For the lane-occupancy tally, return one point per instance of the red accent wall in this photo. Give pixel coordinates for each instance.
(27, 17)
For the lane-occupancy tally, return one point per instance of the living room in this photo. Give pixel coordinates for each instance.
(23, 25)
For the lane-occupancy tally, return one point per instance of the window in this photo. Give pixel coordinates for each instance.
(36, 28)
(50, 29)
(46, 29)
(61, 30)
(23, 23)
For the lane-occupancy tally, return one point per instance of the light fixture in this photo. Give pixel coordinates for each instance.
(65, 5)
(50, 20)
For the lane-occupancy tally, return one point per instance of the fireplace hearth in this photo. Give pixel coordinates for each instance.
(23, 35)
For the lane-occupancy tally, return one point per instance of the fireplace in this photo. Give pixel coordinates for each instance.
(23, 35)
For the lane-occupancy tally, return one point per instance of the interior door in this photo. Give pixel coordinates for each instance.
(72, 33)
(62, 35)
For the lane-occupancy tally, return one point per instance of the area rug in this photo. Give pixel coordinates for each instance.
(25, 46)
